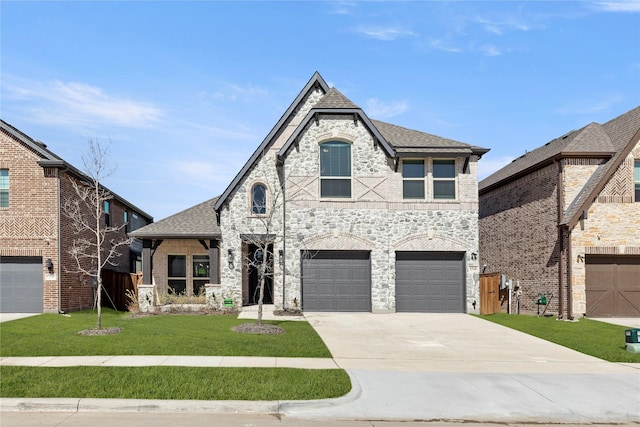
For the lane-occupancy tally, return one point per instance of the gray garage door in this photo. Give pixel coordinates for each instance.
(430, 282)
(20, 284)
(336, 281)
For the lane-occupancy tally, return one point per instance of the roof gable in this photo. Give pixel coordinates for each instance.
(316, 81)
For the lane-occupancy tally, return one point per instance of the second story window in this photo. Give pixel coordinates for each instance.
(444, 179)
(4, 188)
(107, 213)
(259, 199)
(413, 179)
(636, 179)
(335, 170)
(125, 218)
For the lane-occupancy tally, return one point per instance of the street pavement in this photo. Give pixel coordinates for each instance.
(405, 367)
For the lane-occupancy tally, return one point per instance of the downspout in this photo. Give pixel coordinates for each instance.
(59, 244)
(560, 198)
(280, 168)
(569, 287)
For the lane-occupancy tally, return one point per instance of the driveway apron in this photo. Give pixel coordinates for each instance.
(456, 366)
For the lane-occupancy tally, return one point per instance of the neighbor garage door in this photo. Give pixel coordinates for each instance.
(20, 284)
(430, 282)
(613, 286)
(336, 281)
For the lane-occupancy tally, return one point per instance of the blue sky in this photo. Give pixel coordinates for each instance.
(185, 91)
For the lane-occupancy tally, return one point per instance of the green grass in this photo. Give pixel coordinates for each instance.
(598, 339)
(177, 383)
(202, 335)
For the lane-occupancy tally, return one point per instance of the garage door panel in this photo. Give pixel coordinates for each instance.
(343, 282)
(21, 284)
(613, 286)
(430, 282)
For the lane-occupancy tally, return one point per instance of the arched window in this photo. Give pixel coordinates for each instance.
(259, 199)
(335, 169)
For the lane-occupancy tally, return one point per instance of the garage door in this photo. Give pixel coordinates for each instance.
(336, 281)
(20, 284)
(430, 282)
(613, 286)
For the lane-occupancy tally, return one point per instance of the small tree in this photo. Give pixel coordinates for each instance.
(93, 248)
(266, 207)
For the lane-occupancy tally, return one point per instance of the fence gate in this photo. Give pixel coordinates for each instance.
(490, 293)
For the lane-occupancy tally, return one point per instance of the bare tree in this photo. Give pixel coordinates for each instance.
(93, 248)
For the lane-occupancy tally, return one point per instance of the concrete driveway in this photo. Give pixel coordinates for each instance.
(408, 366)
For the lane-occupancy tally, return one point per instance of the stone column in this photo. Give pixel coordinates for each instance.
(213, 294)
(146, 302)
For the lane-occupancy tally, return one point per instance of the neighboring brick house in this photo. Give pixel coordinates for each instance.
(35, 236)
(564, 219)
(365, 216)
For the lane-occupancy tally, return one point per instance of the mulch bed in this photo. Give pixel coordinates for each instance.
(98, 332)
(254, 328)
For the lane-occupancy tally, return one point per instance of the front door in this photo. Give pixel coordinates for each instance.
(253, 267)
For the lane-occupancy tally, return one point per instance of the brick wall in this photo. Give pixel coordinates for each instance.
(519, 235)
(28, 227)
(75, 287)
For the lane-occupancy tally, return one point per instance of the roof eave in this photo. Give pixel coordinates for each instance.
(603, 181)
(386, 146)
(315, 80)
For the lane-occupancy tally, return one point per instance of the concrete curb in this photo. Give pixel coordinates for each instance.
(138, 405)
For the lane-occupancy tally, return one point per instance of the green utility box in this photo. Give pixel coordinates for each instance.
(631, 336)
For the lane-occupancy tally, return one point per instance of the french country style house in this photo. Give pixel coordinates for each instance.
(355, 215)
(563, 221)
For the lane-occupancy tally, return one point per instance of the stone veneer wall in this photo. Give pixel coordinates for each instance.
(610, 229)
(375, 219)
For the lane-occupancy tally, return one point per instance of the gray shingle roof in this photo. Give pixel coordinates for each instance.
(335, 99)
(591, 139)
(196, 222)
(621, 132)
(400, 137)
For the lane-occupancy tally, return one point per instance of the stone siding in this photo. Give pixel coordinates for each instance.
(375, 219)
(612, 227)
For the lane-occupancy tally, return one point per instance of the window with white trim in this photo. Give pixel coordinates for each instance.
(444, 179)
(413, 177)
(335, 169)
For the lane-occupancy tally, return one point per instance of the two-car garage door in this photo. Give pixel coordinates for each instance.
(425, 281)
(20, 284)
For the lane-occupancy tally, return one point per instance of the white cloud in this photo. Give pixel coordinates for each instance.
(342, 7)
(490, 50)
(77, 103)
(589, 107)
(488, 165)
(443, 45)
(382, 110)
(234, 92)
(625, 6)
(500, 26)
(385, 33)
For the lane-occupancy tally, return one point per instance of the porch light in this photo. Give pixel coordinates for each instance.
(49, 265)
(281, 256)
(230, 255)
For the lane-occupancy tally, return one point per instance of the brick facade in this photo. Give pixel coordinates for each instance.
(34, 225)
(519, 234)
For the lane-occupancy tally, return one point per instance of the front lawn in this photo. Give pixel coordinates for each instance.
(598, 339)
(176, 383)
(202, 335)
